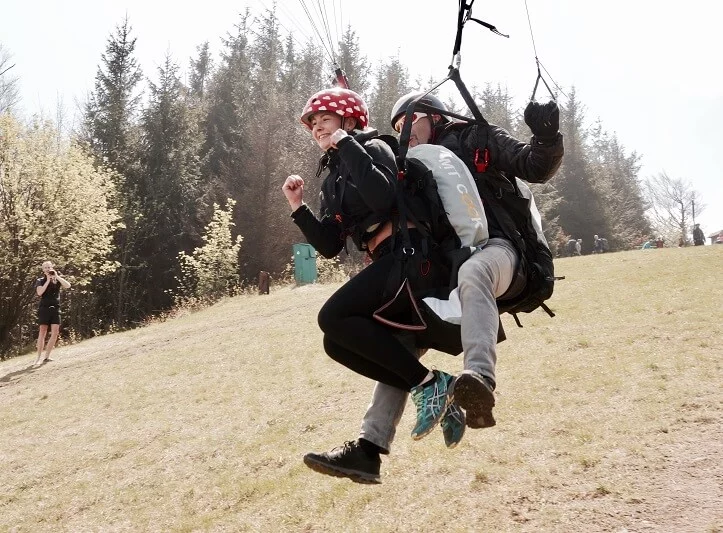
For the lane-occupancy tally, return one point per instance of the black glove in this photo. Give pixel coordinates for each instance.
(543, 119)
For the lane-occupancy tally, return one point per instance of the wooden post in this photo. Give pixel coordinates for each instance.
(264, 279)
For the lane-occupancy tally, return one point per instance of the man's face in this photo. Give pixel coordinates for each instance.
(421, 132)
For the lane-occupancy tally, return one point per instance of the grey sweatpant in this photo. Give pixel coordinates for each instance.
(482, 278)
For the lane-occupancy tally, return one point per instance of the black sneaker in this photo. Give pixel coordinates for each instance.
(475, 395)
(349, 460)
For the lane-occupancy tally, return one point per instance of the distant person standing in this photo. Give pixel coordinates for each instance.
(578, 247)
(570, 247)
(48, 288)
(600, 245)
(698, 237)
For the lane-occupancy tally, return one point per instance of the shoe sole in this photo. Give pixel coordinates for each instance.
(356, 476)
(477, 401)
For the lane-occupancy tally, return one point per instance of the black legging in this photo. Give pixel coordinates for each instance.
(353, 338)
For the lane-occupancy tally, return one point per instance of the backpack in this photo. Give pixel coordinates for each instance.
(439, 195)
(454, 208)
(512, 213)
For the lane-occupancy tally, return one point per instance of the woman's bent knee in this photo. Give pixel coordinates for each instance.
(332, 350)
(327, 318)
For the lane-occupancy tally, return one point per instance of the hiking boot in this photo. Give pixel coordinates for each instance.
(453, 425)
(474, 393)
(349, 460)
(431, 400)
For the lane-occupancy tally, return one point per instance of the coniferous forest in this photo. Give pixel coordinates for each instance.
(171, 186)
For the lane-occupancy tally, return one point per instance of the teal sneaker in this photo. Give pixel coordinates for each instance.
(453, 425)
(431, 401)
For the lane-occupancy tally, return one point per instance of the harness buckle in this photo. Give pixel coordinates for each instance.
(481, 166)
(406, 252)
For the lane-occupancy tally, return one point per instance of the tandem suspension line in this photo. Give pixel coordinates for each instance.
(327, 46)
(327, 43)
(463, 16)
(537, 62)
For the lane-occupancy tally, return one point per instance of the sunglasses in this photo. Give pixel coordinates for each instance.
(415, 118)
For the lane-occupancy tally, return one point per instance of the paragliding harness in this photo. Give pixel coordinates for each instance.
(508, 211)
(506, 208)
(438, 248)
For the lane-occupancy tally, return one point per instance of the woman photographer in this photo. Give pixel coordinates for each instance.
(48, 288)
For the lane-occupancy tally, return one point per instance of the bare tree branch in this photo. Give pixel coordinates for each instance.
(9, 90)
(672, 206)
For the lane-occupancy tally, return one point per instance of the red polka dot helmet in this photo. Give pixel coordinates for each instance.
(343, 102)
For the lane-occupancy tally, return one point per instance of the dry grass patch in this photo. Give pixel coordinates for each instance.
(609, 419)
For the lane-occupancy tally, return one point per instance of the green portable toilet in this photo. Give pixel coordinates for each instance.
(304, 263)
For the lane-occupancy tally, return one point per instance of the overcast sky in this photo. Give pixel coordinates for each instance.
(649, 70)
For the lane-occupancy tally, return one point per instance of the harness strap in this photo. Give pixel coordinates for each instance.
(544, 307)
(489, 26)
(404, 290)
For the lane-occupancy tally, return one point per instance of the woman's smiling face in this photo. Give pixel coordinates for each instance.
(323, 124)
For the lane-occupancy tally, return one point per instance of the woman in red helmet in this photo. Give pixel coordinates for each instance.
(357, 200)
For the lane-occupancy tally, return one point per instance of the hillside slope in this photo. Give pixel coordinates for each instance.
(610, 418)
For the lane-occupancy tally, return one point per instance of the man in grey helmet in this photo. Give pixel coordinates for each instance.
(491, 275)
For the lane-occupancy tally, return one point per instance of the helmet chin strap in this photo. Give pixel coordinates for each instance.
(433, 128)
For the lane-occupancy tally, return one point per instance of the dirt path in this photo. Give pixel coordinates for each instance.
(686, 491)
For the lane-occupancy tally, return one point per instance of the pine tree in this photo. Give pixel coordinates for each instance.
(301, 76)
(169, 184)
(201, 69)
(580, 211)
(392, 81)
(618, 183)
(354, 63)
(109, 114)
(496, 107)
(110, 129)
(229, 105)
(259, 190)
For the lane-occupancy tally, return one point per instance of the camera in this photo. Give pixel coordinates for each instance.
(51, 272)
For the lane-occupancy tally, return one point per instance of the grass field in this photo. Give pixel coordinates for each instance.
(610, 418)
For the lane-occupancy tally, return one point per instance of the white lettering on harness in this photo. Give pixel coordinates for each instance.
(469, 202)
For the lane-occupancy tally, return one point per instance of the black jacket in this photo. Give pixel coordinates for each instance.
(536, 162)
(357, 194)
(508, 158)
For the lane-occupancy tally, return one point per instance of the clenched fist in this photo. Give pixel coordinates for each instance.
(543, 119)
(293, 189)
